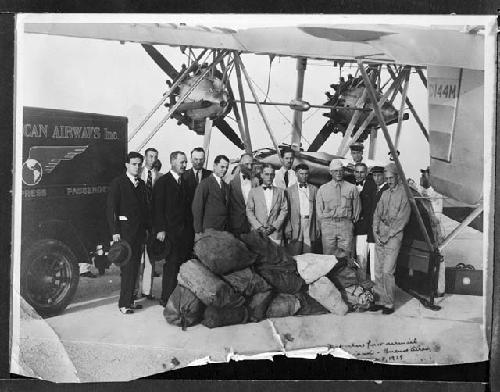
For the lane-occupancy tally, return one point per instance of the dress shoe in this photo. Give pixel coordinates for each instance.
(126, 310)
(148, 296)
(376, 308)
(388, 310)
(136, 306)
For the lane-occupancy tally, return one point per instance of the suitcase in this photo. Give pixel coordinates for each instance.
(417, 269)
(464, 279)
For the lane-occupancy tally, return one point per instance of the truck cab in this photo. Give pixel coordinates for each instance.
(69, 159)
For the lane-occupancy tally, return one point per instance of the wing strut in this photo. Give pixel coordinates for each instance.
(248, 142)
(411, 107)
(173, 108)
(402, 108)
(256, 99)
(354, 119)
(297, 114)
(459, 228)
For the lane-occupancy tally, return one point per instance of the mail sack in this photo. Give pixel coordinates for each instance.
(258, 304)
(325, 292)
(309, 306)
(183, 308)
(283, 305)
(283, 281)
(222, 253)
(208, 287)
(312, 266)
(247, 282)
(219, 317)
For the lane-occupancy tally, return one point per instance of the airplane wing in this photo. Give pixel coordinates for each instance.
(412, 45)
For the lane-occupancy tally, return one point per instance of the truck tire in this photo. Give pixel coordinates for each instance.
(49, 276)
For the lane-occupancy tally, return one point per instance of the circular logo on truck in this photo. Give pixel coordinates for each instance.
(32, 172)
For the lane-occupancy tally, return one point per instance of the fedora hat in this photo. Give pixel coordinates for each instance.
(119, 253)
(158, 250)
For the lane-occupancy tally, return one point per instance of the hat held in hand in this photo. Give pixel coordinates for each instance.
(120, 253)
(158, 250)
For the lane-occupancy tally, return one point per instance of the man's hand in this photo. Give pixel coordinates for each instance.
(116, 237)
(161, 235)
(270, 230)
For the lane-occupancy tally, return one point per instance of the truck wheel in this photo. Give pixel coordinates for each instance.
(49, 276)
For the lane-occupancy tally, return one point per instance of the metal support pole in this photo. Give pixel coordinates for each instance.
(181, 100)
(248, 147)
(248, 142)
(422, 77)
(352, 123)
(393, 87)
(297, 114)
(459, 228)
(206, 138)
(373, 143)
(402, 107)
(381, 120)
(412, 108)
(261, 111)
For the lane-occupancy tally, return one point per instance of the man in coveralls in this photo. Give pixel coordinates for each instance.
(390, 217)
(337, 207)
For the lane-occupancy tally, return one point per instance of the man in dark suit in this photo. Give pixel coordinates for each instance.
(239, 188)
(171, 219)
(127, 215)
(211, 199)
(367, 189)
(380, 186)
(193, 176)
(301, 230)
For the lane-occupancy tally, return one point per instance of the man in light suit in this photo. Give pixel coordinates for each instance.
(301, 230)
(239, 188)
(211, 199)
(267, 207)
(285, 176)
(149, 175)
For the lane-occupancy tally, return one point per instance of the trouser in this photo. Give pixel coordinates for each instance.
(385, 267)
(128, 275)
(173, 262)
(146, 272)
(337, 237)
(362, 254)
(373, 258)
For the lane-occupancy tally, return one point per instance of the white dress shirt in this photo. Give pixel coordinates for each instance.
(246, 185)
(176, 176)
(134, 180)
(268, 194)
(279, 178)
(154, 175)
(218, 179)
(304, 201)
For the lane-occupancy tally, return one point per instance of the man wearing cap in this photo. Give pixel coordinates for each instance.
(127, 214)
(391, 216)
(211, 199)
(239, 188)
(285, 176)
(301, 230)
(380, 186)
(367, 190)
(356, 157)
(337, 206)
(267, 207)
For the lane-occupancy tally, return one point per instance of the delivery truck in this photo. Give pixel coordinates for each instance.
(69, 160)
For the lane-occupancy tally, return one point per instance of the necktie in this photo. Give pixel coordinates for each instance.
(302, 185)
(286, 178)
(245, 177)
(136, 182)
(266, 187)
(198, 176)
(149, 186)
(179, 180)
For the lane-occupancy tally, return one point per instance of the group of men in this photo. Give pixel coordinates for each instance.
(358, 216)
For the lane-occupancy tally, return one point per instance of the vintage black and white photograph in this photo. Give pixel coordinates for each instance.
(199, 188)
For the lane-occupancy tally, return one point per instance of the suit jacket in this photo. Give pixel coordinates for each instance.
(190, 181)
(367, 197)
(171, 210)
(293, 222)
(210, 205)
(126, 211)
(238, 221)
(376, 199)
(257, 210)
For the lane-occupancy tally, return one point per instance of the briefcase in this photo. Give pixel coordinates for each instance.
(417, 268)
(463, 279)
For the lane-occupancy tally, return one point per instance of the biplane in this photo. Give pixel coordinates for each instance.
(448, 59)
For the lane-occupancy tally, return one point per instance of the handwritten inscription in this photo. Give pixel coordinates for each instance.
(409, 350)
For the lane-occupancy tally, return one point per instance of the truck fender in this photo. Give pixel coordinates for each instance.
(66, 233)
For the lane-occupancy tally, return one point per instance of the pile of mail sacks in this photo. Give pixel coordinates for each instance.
(234, 281)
